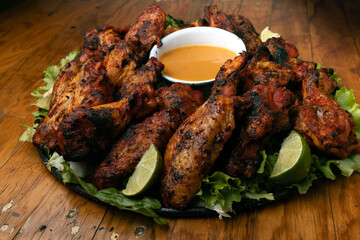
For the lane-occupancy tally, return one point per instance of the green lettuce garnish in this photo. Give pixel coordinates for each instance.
(346, 99)
(43, 95)
(114, 197)
(173, 22)
(221, 189)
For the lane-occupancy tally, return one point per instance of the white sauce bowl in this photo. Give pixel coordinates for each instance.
(208, 36)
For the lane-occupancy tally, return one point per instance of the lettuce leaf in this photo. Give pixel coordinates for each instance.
(346, 99)
(43, 95)
(114, 197)
(29, 132)
(173, 22)
(221, 189)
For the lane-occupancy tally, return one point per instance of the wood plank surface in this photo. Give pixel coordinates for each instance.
(34, 205)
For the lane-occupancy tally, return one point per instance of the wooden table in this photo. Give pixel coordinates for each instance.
(38, 33)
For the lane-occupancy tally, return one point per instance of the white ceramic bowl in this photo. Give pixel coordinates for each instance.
(208, 36)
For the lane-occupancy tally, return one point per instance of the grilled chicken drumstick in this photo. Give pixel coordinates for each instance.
(193, 149)
(175, 104)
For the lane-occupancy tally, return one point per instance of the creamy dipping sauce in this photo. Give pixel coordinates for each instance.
(195, 63)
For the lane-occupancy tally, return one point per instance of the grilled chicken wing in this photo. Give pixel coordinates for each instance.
(106, 60)
(87, 88)
(87, 132)
(322, 122)
(324, 82)
(236, 24)
(262, 70)
(268, 115)
(193, 149)
(176, 103)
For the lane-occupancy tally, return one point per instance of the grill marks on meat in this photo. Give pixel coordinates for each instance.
(127, 55)
(236, 24)
(261, 69)
(227, 79)
(148, 30)
(88, 132)
(321, 121)
(108, 57)
(193, 149)
(127, 152)
(268, 115)
(175, 104)
(196, 144)
(87, 88)
(86, 122)
(146, 74)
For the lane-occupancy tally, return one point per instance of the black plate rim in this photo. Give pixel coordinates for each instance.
(244, 205)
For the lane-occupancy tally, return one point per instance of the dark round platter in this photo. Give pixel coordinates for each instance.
(245, 204)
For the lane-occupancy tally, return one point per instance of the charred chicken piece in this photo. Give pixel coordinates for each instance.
(100, 41)
(196, 144)
(146, 74)
(87, 132)
(127, 55)
(268, 115)
(324, 82)
(227, 79)
(89, 87)
(236, 24)
(120, 64)
(322, 122)
(179, 96)
(262, 70)
(282, 52)
(147, 31)
(176, 103)
(193, 149)
(86, 81)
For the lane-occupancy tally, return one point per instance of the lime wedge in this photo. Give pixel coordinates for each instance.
(266, 34)
(146, 173)
(293, 162)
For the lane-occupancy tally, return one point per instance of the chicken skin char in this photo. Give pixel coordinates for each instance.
(268, 114)
(321, 121)
(105, 107)
(88, 132)
(175, 104)
(236, 24)
(227, 79)
(106, 60)
(88, 88)
(146, 74)
(196, 144)
(193, 149)
(147, 31)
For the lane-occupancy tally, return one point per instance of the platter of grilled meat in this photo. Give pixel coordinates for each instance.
(107, 108)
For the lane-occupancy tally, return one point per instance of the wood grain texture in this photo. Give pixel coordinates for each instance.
(36, 34)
